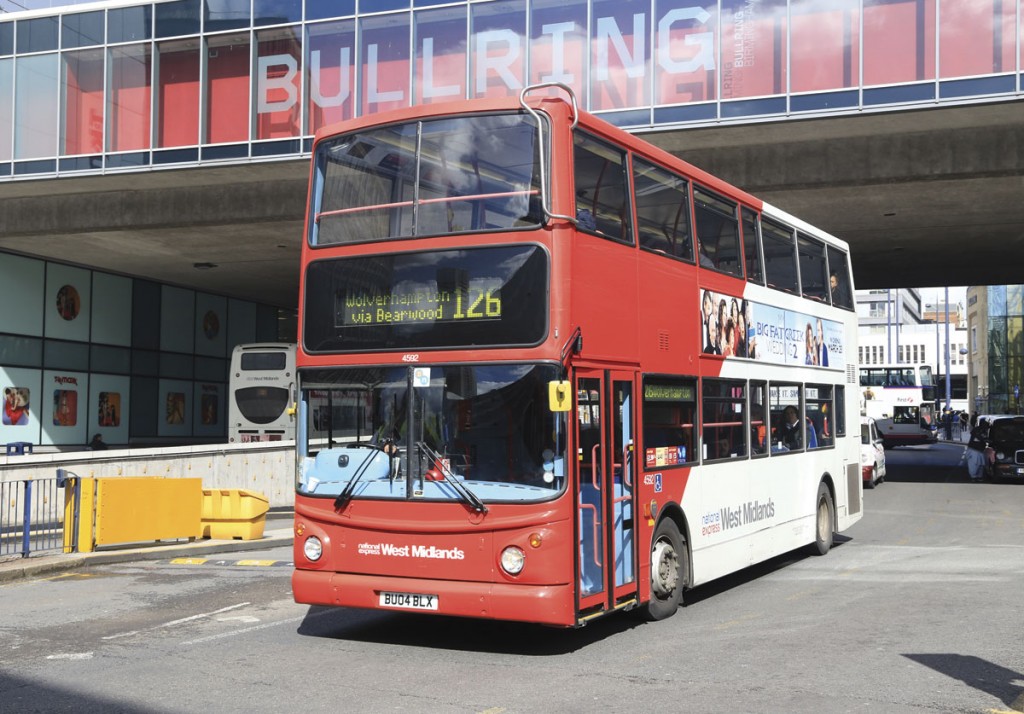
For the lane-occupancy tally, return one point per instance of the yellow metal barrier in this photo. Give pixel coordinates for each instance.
(231, 513)
(132, 510)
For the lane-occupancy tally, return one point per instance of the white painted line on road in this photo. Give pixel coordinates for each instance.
(123, 634)
(204, 614)
(264, 626)
(77, 655)
(247, 619)
(254, 628)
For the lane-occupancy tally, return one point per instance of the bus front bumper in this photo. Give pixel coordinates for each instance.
(543, 604)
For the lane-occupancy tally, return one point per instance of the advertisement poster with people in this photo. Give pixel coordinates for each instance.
(109, 397)
(735, 327)
(21, 414)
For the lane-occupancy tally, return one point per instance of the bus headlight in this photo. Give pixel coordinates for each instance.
(313, 548)
(512, 560)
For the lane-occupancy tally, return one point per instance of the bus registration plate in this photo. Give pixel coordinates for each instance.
(408, 601)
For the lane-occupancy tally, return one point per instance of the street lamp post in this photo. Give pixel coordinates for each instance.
(947, 349)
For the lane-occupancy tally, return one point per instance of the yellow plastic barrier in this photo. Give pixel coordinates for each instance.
(232, 513)
(137, 509)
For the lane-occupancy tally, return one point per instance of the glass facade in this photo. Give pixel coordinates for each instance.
(90, 352)
(185, 81)
(1005, 347)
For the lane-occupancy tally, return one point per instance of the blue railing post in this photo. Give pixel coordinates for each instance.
(26, 520)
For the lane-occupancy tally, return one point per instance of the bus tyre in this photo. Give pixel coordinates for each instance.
(824, 521)
(668, 568)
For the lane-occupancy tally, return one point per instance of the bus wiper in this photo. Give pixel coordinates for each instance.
(449, 478)
(346, 493)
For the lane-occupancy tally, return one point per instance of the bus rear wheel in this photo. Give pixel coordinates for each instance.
(824, 521)
(668, 570)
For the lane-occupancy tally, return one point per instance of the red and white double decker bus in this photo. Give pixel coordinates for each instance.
(548, 371)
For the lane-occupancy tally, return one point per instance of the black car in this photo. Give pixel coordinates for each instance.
(1006, 437)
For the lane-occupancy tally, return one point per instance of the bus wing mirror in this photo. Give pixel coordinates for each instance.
(559, 396)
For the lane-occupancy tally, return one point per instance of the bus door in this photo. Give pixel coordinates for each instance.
(606, 478)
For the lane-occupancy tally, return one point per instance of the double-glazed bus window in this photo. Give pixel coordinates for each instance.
(723, 418)
(670, 412)
(819, 412)
(813, 270)
(779, 257)
(786, 415)
(839, 278)
(602, 189)
(662, 211)
(758, 422)
(718, 232)
(840, 411)
(752, 247)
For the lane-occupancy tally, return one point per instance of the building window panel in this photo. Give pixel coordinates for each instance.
(439, 37)
(6, 108)
(128, 116)
(82, 30)
(825, 45)
(686, 70)
(899, 41)
(37, 35)
(227, 89)
(753, 48)
(976, 37)
(326, 9)
(278, 83)
(182, 17)
(498, 49)
(385, 63)
(6, 38)
(330, 73)
(276, 12)
(178, 93)
(558, 43)
(82, 125)
(620, 54)
(35, 106)
(129, 24)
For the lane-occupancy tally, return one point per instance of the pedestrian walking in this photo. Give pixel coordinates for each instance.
(976, 452)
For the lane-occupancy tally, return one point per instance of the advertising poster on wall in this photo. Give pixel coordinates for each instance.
(735, 327)
(109, 401)
(174, 415)
(64, 417)
(209, 410)
(68, 302)
(20, 419)
(211, 324)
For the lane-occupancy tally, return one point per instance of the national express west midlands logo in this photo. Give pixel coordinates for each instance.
(742, 515)
(412, 551)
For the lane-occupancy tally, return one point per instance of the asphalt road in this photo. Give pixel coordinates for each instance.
(917, 609)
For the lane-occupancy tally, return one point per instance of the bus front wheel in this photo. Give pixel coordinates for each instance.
(668, 570)
(824, 521)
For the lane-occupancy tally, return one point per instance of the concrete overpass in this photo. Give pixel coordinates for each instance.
(925, 197)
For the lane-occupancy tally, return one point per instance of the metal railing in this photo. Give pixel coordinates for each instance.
(32, 516)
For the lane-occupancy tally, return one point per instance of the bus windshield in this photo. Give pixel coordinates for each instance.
(443, 176)
(382, 428)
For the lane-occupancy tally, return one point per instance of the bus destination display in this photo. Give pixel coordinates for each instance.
(483, 296)
(480, 300)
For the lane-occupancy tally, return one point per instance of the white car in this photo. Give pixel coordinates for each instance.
(872, 453)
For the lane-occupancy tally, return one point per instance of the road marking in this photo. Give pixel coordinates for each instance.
(241, 618)
(72, 656)
(204, 614)
(254, 628)
(123, 634)
(189, 561)
(256, 562)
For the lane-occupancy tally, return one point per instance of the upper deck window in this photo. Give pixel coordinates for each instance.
(718, 233)
(602, 189)
(779, 257)
(436, 177)
(662, 211)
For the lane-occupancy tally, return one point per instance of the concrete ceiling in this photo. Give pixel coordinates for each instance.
(925, 198)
